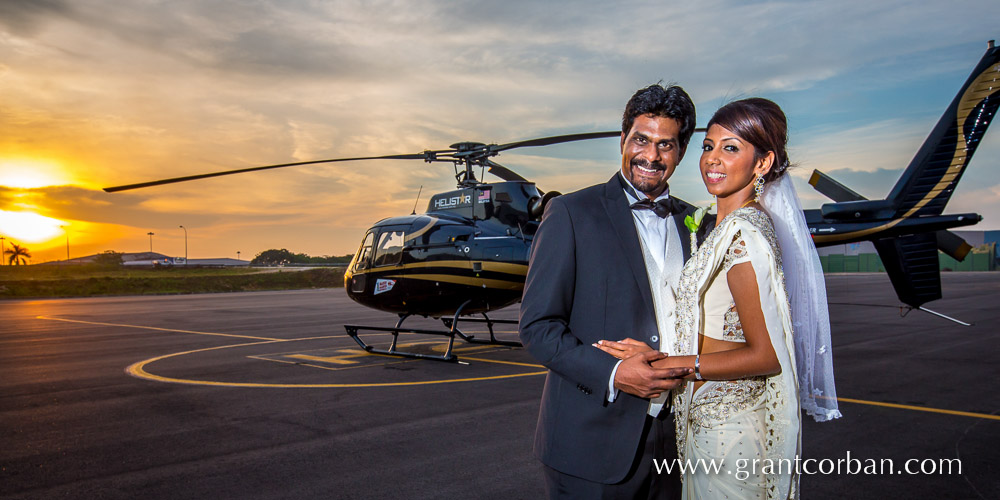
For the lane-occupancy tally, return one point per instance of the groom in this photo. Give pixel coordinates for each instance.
(596, 262)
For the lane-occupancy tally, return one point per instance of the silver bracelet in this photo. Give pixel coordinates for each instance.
(697, 367)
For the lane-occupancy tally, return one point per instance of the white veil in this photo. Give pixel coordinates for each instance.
(807, 297)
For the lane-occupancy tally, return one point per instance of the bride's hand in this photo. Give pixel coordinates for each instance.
(622, 349)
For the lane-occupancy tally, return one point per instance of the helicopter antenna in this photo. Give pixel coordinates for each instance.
(414, 212)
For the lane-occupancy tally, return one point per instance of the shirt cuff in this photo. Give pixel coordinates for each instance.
(612, 392)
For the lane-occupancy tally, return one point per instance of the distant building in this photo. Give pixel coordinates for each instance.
(862, 256)
(126, 258)
(155, 259)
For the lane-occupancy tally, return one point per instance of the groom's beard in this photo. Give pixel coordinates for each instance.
(642, 184)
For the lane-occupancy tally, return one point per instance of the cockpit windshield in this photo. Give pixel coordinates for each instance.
(362, 258)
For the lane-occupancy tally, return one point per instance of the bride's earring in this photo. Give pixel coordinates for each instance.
(758, 188)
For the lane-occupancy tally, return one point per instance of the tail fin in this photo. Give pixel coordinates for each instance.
(930, 179)
(912, 264)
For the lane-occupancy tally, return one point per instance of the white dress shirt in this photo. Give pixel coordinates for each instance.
(654, 233)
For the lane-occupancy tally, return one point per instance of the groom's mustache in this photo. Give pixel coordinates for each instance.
(644, 163)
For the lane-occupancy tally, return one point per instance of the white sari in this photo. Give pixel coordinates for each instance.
(750, 424)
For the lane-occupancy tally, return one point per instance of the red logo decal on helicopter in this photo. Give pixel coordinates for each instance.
(383, 286)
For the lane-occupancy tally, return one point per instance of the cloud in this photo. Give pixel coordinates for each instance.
(26, 17)
(127, 92)
(867, 158)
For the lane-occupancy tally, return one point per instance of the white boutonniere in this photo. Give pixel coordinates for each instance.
(693, 222)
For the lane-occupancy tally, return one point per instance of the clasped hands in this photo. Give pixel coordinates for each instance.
(636, 374)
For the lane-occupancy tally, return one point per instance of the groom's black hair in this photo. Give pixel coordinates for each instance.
(670, 102)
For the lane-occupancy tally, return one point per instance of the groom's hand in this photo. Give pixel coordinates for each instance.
(623, 349)
(637, 377)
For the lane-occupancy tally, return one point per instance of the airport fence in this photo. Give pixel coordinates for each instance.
(982, 258)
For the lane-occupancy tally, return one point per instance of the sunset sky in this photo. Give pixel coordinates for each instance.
(97, 93)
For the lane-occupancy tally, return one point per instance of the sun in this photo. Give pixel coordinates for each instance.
(29, 227)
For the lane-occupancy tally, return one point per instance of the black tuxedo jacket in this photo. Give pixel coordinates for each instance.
(587, 281)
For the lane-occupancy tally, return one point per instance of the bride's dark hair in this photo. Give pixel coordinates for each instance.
(761, 123)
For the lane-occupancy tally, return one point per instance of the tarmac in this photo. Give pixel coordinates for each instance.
(263, 395)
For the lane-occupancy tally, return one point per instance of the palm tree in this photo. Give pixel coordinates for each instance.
(18, 255)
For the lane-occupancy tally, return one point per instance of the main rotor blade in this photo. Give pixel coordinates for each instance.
(545, 141)
(503, 172)
(418, 156)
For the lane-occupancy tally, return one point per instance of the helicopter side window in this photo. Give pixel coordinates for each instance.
(389, 250)
(446, 235)
(362, 259)
(439, 242)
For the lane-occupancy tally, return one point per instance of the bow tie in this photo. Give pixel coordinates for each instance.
(661, 208)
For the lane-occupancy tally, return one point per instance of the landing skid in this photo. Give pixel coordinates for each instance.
(922, 308)
(452, 331)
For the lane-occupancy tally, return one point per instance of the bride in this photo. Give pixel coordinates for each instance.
(752, 314)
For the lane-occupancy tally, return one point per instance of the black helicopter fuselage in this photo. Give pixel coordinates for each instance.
(468, 251)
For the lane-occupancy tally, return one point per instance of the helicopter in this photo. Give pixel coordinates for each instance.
(467, 254)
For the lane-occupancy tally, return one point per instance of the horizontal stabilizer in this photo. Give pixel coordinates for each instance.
(947, 241)
(832, 189)
(912, 264)
(861, 210)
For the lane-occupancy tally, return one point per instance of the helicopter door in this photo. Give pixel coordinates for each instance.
(361, 262)
(499, 254)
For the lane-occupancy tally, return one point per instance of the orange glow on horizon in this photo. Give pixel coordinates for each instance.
(30, 227)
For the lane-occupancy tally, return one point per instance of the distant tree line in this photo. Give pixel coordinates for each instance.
(282, 257)
(109, 258)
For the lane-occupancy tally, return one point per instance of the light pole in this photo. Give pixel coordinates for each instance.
(150, 242)
(185, 245)
(237, 255)
(3, 251)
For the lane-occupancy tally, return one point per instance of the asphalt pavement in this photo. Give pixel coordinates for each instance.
(262, 395)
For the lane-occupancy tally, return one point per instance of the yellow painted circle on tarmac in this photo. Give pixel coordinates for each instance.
(138, 370)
